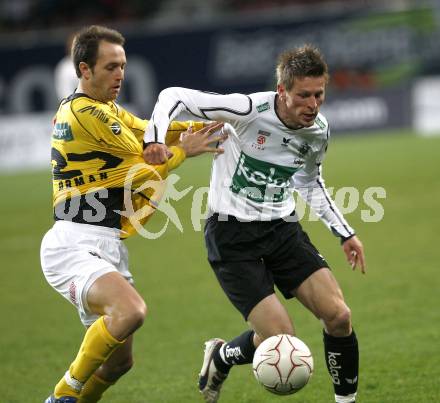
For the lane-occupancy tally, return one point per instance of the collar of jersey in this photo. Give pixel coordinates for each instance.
(76, 95)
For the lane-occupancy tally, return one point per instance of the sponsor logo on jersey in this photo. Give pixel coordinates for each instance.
(261, 181)
(115, 128)
(62, 131)
(263, 107)
(286, 141)
(95, 112)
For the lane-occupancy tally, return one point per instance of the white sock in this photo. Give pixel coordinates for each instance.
(345, 399)
(73, 383)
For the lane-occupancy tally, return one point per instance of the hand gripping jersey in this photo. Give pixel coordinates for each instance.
(98, 168)
(264, 160)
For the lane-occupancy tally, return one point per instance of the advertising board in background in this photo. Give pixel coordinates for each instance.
(374, 59)
(426, 106)
(25, 142)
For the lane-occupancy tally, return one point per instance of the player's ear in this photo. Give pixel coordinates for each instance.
(85, 70)
(281, 91)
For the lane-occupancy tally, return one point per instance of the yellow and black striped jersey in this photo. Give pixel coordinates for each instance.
(97, 164)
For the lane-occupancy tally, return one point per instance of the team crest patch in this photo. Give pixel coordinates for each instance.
(259, 142)
(304, 148)
(263, 107)
(261, 139)
(115, 128)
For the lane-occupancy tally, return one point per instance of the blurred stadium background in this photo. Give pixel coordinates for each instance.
(383, 104)
(383, 56)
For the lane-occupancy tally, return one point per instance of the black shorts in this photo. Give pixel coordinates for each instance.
(249, 258)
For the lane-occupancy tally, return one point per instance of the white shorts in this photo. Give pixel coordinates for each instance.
(74, 255)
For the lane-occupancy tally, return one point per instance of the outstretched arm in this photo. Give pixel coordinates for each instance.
(204, 105)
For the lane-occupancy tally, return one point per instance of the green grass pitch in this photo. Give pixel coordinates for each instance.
(395, 305)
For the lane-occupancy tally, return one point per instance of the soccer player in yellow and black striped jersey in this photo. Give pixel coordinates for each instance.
(95, 145)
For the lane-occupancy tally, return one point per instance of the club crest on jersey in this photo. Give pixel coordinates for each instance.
(304, 148)
(261, 139)
(115, 128)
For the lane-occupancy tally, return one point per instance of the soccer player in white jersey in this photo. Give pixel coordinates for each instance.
(254, 241)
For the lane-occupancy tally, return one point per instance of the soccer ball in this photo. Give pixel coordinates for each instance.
(283, 364)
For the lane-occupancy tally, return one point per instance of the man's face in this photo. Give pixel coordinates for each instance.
(301, 103)
(105, 79)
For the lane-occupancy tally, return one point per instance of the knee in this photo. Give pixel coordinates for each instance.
(138, 314)
(132, 316)
(339, 324)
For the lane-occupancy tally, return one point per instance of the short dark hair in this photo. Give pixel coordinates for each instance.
(305, 61)
(86, 43)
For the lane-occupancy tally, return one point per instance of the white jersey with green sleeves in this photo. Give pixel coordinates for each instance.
(264, 160)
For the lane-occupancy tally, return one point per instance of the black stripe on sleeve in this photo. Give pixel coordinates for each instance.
(232, 111)
(152, 203)
(212, 109)
(174, 108)
(176, 105)
(330, 203)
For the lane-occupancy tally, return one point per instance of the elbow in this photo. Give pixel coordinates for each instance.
(169, 90)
